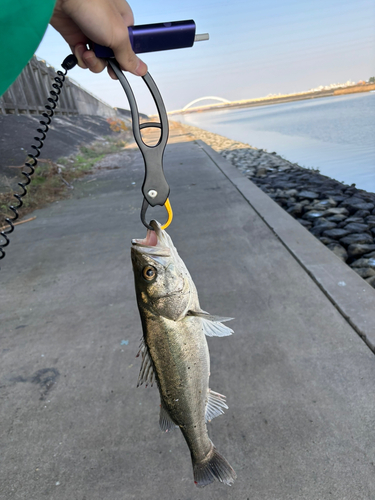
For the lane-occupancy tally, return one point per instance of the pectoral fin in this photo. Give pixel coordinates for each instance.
(212, 325)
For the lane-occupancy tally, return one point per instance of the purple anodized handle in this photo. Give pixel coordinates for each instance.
(156, 37)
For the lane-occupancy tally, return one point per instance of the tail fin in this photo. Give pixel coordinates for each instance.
(213, 467)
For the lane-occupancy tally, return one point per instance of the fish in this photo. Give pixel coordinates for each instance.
(174, 350)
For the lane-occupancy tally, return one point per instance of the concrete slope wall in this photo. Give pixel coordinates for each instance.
(29, 94)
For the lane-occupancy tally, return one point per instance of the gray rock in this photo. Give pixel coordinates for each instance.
(320, 226)
(364, 272)
(371, 262)
(337, 218)
(360, 220)
(324, 204)
(311, 208)
(356, 250)
(334, 192)
(335, 233)
(295, 210)
(291, 192)
(304, 203)
(355, 238)
(369, 255)
(284, 184)
(318, 229)
(326, 241)
(282, 201)
(310, 195)
(342, 224)
(352, 200)
(355, 227)
(370, 221)
(362, 262)
(338, 250)
(320, 221)
(261, 172)
(371, 281)
(336, 211)
(362, 213)
(304, 176)
(338, 198)
(355, 203)
(313, 214)
(305, 223)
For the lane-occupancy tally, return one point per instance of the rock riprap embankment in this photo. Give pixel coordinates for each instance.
(342, 217)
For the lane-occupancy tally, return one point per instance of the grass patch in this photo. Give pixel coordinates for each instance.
(51, 180)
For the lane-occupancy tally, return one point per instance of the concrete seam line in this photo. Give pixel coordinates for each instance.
(208, 150)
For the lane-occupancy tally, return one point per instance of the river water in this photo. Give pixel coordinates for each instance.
(333, 134)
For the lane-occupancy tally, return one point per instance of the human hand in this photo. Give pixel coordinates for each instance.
(101, 21)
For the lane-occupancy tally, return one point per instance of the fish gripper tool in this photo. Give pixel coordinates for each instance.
(155, 188)
(152, 38)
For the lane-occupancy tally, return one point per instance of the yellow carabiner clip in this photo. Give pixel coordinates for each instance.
(145, 206)
(167, 205)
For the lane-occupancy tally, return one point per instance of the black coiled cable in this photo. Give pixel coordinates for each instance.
(31, 162)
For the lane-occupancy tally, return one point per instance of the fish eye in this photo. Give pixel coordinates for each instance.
(149, 273)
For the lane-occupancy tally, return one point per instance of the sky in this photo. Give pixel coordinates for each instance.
(256, 48)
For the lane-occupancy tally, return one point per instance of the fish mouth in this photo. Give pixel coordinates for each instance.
(157, 242)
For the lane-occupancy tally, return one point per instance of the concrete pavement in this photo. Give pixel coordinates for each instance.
(298, 378)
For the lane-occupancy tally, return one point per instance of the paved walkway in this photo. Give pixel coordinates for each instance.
(298, 377)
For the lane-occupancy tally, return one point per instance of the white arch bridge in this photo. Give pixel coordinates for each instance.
(214, 98)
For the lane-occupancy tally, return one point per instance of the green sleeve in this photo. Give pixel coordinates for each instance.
(22, 26)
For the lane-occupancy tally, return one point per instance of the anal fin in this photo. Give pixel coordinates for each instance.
(216, 403)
